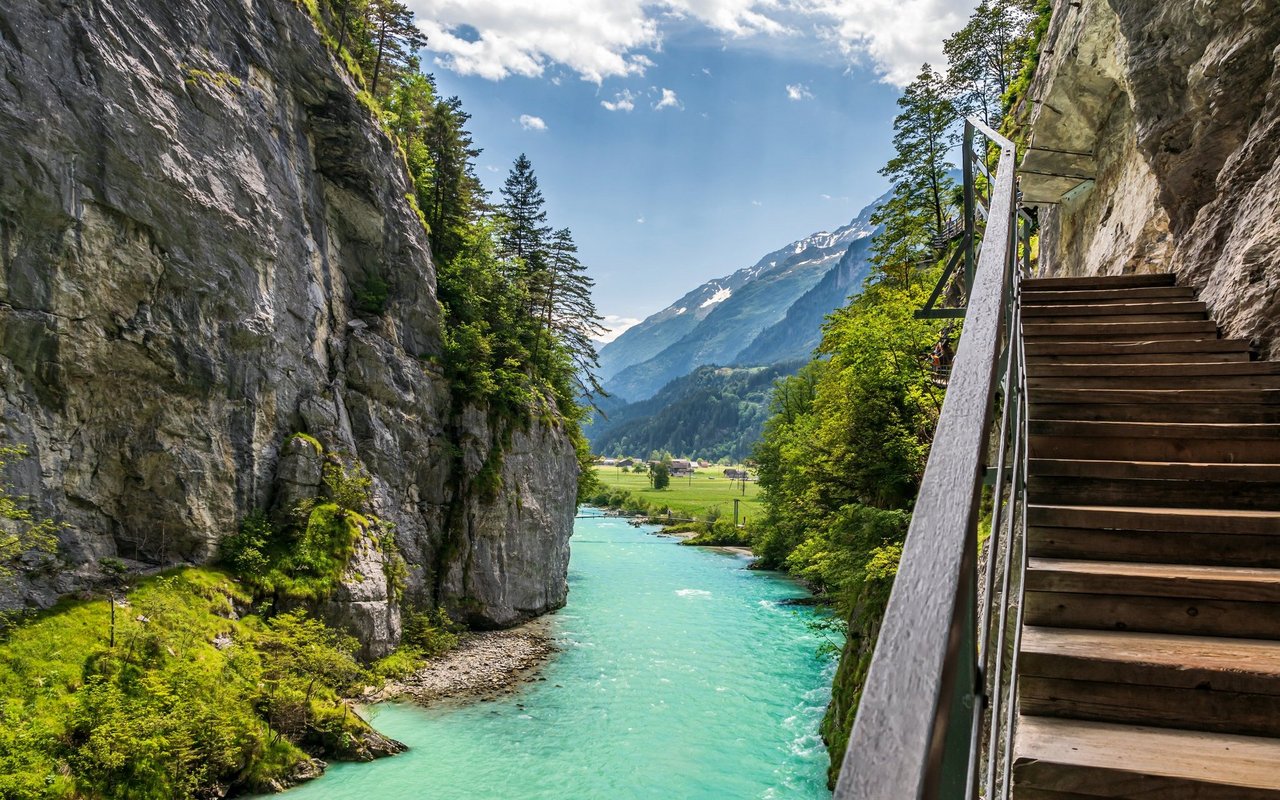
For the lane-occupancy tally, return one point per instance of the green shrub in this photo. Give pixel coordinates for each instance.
(245, 551)
(429, 632)
(371, 295)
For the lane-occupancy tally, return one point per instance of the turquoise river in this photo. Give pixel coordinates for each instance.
(680, 676)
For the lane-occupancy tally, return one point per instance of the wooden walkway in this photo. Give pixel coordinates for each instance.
(1150, 652)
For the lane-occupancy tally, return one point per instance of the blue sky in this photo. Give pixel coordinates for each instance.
(681, 140)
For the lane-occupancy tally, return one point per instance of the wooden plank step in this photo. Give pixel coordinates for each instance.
(1167, 484)
(1236, 602)
(1155, 411)
(1227, 685)
(1136, 382)
(1098, 282)
(1145, 546)
(1084, 490)
(1162, 520)
(1039, 347)
(1034, 312)
(1154, 580)
(1214, 397)
(1147, 330)
(1106, 295)
(1188, 370)
(1155, 470)
(1244, 443)
(1038, 361)
(1098, 759)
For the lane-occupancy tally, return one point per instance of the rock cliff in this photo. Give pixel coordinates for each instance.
(1156, 146)
(193, 199)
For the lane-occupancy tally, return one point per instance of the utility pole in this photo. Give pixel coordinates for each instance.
(735, 512)
(111, 598)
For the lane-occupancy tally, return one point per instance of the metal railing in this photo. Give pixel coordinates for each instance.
(938, 707)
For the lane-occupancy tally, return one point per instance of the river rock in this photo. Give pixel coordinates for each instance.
(192, 194)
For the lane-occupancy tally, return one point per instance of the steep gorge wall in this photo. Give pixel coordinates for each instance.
(192, 196)
(1175, 108)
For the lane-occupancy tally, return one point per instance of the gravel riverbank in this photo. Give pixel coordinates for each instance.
(484, 664)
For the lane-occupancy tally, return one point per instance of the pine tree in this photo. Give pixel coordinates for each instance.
(922, 188)
(525, 233)
(569, 314)
(396, 39)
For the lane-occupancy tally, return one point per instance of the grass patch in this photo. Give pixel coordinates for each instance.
(706, 491)
(190, 696)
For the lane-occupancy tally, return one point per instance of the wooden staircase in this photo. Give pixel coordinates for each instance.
(1150, 652)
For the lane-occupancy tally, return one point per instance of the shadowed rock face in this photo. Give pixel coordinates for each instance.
(192, 193)
(1179, 102)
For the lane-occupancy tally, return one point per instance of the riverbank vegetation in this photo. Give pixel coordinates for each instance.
(843, 454)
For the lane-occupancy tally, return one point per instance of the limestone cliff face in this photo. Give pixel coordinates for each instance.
(1172, 109)
(192, 197)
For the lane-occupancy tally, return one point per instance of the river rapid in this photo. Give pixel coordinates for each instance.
(680, 676)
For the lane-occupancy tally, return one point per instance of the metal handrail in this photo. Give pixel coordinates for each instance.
(923, 718)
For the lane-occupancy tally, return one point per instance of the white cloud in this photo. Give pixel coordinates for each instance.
(825, 196)
(639, 220)
(600, 39)
(756, 203)
(532, 123)
(624, 100)
(894, 36)
(615, 326)
(669, 100)
(798, 91)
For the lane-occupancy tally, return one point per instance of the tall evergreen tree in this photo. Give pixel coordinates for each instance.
(526, 232)
(922, 188)
(396, 40)
(569, 313)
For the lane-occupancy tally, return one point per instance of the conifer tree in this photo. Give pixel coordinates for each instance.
(569, 313)
(924, 133)
(396, 39)
(526, 232)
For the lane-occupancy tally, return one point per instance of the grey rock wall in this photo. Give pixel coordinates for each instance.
(1178, 103)
(191, 194)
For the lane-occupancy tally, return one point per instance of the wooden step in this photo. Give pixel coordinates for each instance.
(1225, 685)
(1037, 361)
(1145, 546)
(1040, 347)
(1157, 405)
(1240, 381)
(1154, 598)
(1077, 759)
(1188, 370)
(1148, 330)
(1098, 282)
(1168, 484)
(1106, 295)
(1192, 309)
(1223, 442)
(1159, 520)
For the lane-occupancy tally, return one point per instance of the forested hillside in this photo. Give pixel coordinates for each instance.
(711, 413)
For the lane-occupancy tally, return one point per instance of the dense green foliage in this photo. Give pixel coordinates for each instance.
(711, 413)
(195, 693)
(843, 455)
